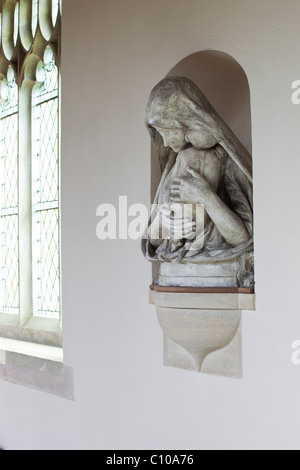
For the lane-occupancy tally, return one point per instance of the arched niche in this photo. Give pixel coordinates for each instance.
(224, 82)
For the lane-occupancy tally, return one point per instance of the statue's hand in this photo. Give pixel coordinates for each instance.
(177, 222)
(193, 190)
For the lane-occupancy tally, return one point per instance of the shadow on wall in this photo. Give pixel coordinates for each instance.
(224, 82)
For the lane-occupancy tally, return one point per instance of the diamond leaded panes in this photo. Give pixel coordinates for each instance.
(9, 226)
(45, 197)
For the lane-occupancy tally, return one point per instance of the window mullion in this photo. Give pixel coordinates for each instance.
(25, 205)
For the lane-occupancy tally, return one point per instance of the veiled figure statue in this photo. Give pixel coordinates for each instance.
(202, 163)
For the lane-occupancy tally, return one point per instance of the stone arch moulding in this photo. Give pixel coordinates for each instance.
(199, 304)
(48, 14)
(10, 28)
(26, 30)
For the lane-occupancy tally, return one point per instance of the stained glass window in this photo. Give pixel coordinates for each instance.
(9, 227)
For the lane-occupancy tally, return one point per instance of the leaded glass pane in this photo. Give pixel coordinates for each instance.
(49, 89)
(9, 251)
(47, 251)
(9, 265)
(49, 151)
(34, 18)
(55, 9)
(16, 24)
(46, 267)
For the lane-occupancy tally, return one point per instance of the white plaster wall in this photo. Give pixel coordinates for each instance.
(114, 52)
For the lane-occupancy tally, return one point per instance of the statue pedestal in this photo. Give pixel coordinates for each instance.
(197, 275)
(203, 327)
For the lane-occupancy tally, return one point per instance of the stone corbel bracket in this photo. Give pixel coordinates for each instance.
(203, 330)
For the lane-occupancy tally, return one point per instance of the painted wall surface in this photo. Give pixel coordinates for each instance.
(114, 52)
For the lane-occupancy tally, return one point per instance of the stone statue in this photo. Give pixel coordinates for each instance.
(202, 163)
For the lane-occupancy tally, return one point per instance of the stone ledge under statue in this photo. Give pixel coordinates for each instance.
(203, 331)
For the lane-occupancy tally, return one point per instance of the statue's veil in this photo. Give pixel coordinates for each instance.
(176, 102)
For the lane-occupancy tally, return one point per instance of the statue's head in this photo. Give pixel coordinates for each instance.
(181, 114)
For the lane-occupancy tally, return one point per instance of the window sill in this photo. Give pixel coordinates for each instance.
(49, 353)
(36, 366)
(35, 330)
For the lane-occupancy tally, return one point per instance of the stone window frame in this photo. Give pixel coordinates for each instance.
(26, 340)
